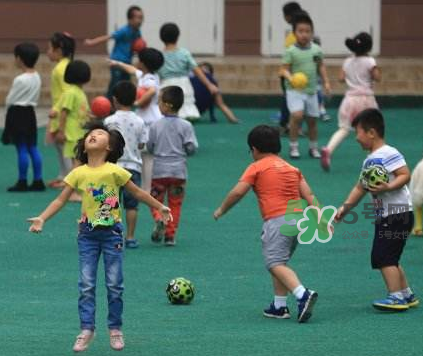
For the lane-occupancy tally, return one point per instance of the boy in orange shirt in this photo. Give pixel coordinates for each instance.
(275, 182)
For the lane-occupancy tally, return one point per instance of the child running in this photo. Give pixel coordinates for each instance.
(393, 209)
(21, 123)
(99, 179)
(175, 71)
(171, 140)
(306, 57)
(61, 49)
(275, 183)
(122, 51)
(132, 129)
(150, 61)
(358, 71)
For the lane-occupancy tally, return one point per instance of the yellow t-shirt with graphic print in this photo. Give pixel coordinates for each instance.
(57, 87)
(99, 188)
(75, 102)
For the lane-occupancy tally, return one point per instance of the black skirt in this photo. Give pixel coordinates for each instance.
(20, 126)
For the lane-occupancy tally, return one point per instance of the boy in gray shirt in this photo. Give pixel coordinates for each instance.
(171, 140)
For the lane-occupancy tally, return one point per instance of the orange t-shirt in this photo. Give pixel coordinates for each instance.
(275, 182)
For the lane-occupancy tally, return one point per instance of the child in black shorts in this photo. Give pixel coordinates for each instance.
(393, 209)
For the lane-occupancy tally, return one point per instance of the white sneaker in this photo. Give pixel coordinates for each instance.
(294, 153)
(83, 340)
(314, 153)
(116, 340)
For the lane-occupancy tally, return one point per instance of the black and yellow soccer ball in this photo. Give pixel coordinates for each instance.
(180, 291)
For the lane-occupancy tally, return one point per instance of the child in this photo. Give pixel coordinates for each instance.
(21, 122)
(122, 50)
(73, 111)
(150, 61)
(289, 9)
(61, 49)
(416, 189)
(392, 205)
(204, 100)
(175, 71)
(100, 229)
(358, 71)
(171, 140)
(132, 129)
(275, 182)
(306, 57)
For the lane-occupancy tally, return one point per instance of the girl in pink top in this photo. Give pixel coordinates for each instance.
(359, 72)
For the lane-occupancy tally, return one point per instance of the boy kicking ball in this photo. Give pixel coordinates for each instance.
(275, 182)
(392, 204)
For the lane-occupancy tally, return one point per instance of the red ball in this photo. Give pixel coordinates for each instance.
(140, 92)
(138, 44)
(101, 106)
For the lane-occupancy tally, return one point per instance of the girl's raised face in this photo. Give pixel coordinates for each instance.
(97, 140)
(54, 54)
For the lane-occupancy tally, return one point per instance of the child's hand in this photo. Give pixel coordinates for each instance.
(112, 62)
(166, 215)
(380, 188)
(340, 214)
(60, 137)
(217, 213)
(37, 224)
(52, 114)
(89, 42)
(328, 89)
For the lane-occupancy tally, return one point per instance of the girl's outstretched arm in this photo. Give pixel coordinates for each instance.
(128, 68)
(37, 222)
(142, 195)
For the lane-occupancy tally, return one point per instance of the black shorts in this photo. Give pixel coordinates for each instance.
(391, 235)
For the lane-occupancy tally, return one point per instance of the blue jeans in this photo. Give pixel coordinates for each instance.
(91, 243)
(116, 75)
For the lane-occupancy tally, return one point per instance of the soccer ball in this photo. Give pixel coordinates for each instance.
(373, 176)
(299, 80)
(180, 291)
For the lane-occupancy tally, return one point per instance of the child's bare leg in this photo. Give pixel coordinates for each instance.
(131, 222)
(392, 278)
(403, 278)
(278, 287)
(286, 276)
(418, 229)
(312, 128)
(294, 123)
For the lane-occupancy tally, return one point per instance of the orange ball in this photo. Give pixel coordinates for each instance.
(101, 106)
(138, 44)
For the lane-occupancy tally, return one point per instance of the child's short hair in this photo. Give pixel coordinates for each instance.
(290, 8)
(131, 10)
(208, 65)
(151, 58)
(125, 92)
(370, 119)
(361, 44)
(301, 17)
(265, 139)
(77, 72)
(116, 142)
(65, 42)
(173, 96)
(28, 53)
(169, 32)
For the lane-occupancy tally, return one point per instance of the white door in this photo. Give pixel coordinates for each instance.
(334, 20)
(200, 22)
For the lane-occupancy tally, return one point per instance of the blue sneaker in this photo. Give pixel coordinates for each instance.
(272, 312)
(158, 232)
(412, 301)
(391, 303)
(306, 304)
(131, 243)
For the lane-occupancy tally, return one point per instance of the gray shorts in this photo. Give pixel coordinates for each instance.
(277, 249)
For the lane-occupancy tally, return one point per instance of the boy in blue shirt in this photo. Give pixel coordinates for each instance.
(122, 50)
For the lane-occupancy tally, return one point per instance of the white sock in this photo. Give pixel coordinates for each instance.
(398, 294)
(407, 292)
(313, 145)
(293, 144)
(337, 138)
(280, 301)
(299, 291)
